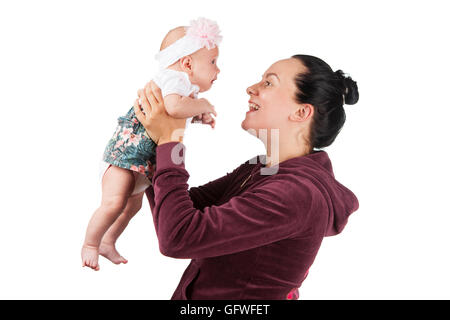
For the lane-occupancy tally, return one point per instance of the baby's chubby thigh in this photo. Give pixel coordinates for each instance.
(117, 186)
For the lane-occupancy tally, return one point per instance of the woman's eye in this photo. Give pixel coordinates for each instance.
(213, 62)
(267, 83)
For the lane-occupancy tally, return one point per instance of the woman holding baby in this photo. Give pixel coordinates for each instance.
(255, 232)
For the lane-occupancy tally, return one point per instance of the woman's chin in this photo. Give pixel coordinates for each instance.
(252, 123)
(248, 127)
(245, 124)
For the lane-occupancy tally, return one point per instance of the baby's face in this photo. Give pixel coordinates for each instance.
(204, 68)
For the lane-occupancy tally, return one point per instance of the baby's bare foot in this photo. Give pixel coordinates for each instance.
(109, 251)
(89, 257)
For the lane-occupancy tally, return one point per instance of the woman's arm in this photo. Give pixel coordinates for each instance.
(209, 193)
(205, 195)
(257, 217)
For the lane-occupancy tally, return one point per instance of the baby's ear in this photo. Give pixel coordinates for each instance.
(186, 64)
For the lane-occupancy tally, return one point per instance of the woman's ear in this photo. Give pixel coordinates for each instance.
(186, 64)
(302, 113)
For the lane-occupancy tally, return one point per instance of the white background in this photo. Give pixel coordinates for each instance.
(68, 69)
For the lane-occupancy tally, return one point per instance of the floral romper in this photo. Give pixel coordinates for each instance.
(130, 147)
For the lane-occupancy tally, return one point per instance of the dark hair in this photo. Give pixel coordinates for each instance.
(327, 91)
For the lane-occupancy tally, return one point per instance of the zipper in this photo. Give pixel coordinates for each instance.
(242, 184)
(257, 167)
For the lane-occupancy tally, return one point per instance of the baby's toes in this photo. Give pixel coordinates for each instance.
(91, 263)
(85, 262)
(94, 264)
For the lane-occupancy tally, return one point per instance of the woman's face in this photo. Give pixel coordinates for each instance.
(274, 96)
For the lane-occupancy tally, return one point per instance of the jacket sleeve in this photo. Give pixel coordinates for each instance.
(210, 193)
(206, 195)
(257, 217)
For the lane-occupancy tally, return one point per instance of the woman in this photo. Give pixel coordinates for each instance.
(254, 233)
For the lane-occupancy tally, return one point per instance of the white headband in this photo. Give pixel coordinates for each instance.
(201, 33)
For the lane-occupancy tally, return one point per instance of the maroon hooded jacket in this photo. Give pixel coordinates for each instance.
(249, 235)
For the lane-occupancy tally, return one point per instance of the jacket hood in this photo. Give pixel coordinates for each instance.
(317, 168)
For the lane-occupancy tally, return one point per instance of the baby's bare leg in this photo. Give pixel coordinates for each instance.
(117, 185)
(107, 246)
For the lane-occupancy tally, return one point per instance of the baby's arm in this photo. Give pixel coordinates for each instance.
(184, 107)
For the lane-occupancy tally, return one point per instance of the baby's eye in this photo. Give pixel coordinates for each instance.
(213, 62)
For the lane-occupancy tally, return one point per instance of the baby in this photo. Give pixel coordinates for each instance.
(187, 66)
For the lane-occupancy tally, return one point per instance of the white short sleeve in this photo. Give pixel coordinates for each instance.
(171, 81)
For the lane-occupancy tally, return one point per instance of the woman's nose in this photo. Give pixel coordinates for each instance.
(251, 91)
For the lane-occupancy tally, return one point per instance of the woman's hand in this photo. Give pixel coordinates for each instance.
(160, 126)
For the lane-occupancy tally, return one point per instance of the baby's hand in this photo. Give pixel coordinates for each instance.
(208, 119)
(208, 107)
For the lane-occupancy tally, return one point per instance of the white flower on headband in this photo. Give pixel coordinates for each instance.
(205, 31)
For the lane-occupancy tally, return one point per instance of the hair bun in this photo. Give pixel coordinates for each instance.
(351, 94)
